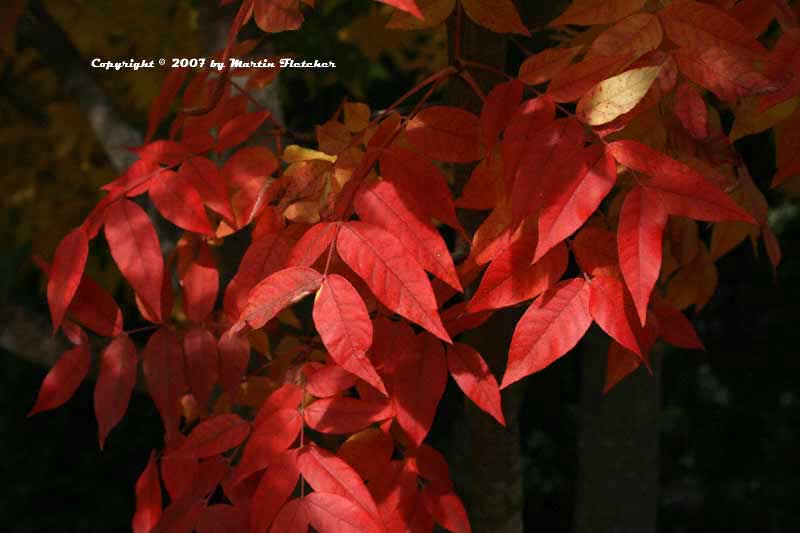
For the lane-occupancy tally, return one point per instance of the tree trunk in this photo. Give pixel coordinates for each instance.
(618, 446)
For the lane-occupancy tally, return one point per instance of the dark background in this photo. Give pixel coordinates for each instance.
(730, 416)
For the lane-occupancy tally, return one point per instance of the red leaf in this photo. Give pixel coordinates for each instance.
(409, 6)
(395, 279)
(115, 382)
(541, 67)
(674, 327)
(446, 133)
(264, 257)
(276, 293)
(457, 319)
(63, 379)
(148, 498)
(248, 163)
(221, 518)
(531, 116)
(326, 472)
(447, 509)
(293, 517)
(595, 250)
(576, 79)
(275, 487)
(324, 381)
(215, 435)
(341, 415)
(550, 159)
(66, 272)
(432, 466)
(513, 278)
(418, 383)
(160, 106)
(179, 202)
(679, 189)
(472, 374)
(200, 283)
(613, 310)
(368, 452)
(288, 396)
(135, 248)
(342, 320)
(550, 328)
(641, 228)
(271, 437)
(501, 104)
(331, 513)
(234, 356)
(420, 183)
(205, 177)
(380, 204)
(274, 16)
(570, 203)
(239, 129)
(314, 242)
(621, 363)
(164, 373)
(589, 12)
(178, 472)
(691, 110)
(164, 152)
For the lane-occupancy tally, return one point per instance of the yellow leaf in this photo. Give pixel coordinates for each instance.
(615, 96)
(294, 153)
(749, 120)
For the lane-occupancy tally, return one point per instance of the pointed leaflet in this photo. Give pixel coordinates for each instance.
(497, 15)
(435, 12)
(531, 117)
(368, 452)
(200, 283)
(164, 374)
(63, 379)
(215, 435)
(380, 204)
(418, 383)
(269, 440)
(274, 488)
(324, 381)
(633, 37)
(212, 187)
(674, 327)
(340, 415)
(220, 518)
(447, 509)
(264, 257)
(332, 513)
(698, 26)
(639, 236)
(472, 374)
(501, 104)
(274, 16)
(326, 472)
(342, 320)
(314, 242)
(620, 364)
(409, 6)
(613, 310)
(114, 386)
(543, 66)
(135, 248)
(202, 363)
(395, 279)
(179, 202)
(446, 133)
(234, 355)
(238, 129)
(589, 12)
(276, 293)
(292, 518)
(571, 203)
(550, 327)
(615, 96)
(95, 309)
(512, 277)
(148, 498)
(420, 183)
(66, 272)
(691, 110)
(679, 189)
(550, 160)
